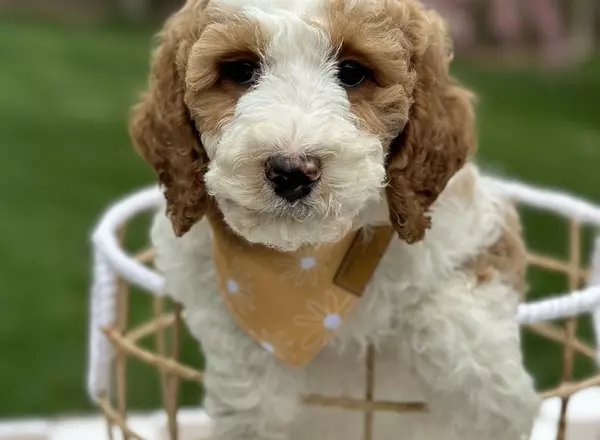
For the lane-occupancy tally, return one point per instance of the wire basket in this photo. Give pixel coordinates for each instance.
(112, 342)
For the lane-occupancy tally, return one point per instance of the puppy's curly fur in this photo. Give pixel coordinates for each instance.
(394, 150)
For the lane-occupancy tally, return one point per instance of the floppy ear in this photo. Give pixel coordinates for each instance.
(161, 127)
(439, 135)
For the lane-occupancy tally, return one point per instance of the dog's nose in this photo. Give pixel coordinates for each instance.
(292, 176)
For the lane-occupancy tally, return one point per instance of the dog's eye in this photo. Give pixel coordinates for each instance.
(242, 72)
(352, 74)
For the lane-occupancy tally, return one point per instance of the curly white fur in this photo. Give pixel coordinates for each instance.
(439, 335)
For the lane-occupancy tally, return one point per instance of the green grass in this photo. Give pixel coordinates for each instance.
(64, 98)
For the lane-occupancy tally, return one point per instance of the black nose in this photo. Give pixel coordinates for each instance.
(292, 176)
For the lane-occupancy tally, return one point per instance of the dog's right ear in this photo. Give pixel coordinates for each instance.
(161, 127)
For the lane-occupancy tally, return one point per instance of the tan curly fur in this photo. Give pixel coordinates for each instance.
(506, 258)
(162, 128)
(440, 133)
(372, 37)
(228, 37)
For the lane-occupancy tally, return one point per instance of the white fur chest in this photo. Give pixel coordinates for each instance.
(468, 219)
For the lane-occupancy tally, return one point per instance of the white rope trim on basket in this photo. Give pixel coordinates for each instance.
(111, 262)
(595, 281)
(105, 239)
(555, 201)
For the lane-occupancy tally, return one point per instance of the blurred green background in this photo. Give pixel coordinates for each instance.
(65, 92)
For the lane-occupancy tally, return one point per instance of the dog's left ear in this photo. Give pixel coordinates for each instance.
(439, 135)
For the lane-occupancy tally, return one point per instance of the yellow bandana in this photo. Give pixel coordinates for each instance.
(291, 303)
